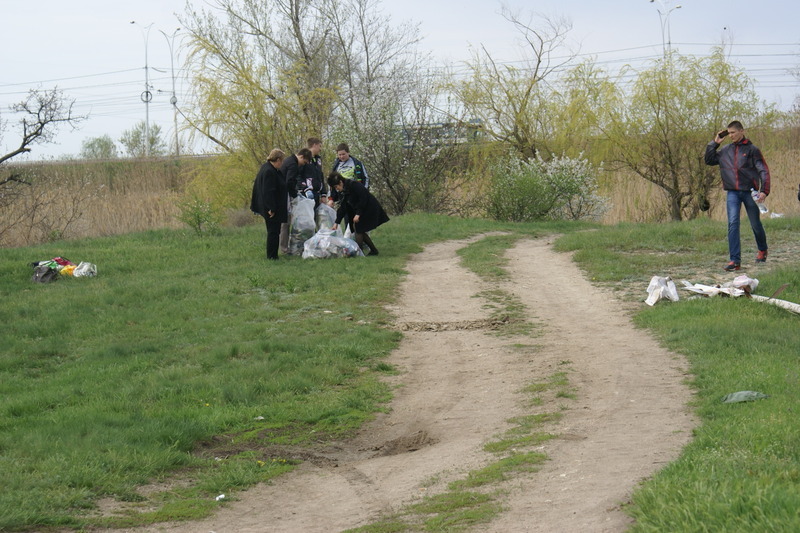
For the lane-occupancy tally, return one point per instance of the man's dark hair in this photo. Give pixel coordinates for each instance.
(306, 153)
(334, 178)
(343, 146)
(313, 140)
(736, 125)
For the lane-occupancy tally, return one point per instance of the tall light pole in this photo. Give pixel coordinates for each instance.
(666, 37)
(173, 99)
(147, 96)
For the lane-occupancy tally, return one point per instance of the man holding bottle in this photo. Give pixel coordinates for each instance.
(746, 180)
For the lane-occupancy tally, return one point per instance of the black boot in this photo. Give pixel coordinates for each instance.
(372, 249)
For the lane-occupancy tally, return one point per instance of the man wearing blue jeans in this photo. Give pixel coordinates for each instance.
(742, 168)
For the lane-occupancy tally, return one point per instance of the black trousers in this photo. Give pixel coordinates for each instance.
(273, 237)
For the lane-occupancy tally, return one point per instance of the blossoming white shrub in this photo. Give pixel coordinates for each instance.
(562, 188)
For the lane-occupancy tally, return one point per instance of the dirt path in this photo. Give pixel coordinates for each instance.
(457, 387)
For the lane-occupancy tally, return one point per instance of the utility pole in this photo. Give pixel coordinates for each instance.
(147, 95)
(173, 99)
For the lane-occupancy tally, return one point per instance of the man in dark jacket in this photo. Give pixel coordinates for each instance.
(743, 171)
(292, 167)
(270, 199)
(311, 179)
(291, 170)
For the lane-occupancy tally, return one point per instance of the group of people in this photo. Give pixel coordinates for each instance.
(346, 189)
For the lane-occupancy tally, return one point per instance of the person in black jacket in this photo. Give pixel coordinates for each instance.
(271, 199)
(312, 182)
(292, 169)
(363, 210)
(743, 171)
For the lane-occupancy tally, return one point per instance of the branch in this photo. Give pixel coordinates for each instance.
(14, 177)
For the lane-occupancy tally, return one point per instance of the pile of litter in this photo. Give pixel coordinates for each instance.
(52, 269)
(664, 288)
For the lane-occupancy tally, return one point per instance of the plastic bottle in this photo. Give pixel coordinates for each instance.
(761, 205)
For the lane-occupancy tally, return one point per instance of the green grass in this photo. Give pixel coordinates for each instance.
(185, 346)
(136, 375)
(741, 472)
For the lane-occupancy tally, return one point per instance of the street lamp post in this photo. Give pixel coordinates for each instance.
(174, 99)
(666, 37)
(147, 95)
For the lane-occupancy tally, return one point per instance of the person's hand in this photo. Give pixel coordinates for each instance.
(271, 214)
(335, 227)
(356, 219)
(761, 197)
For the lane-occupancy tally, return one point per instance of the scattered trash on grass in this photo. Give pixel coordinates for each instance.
(220, 497)
(659, 288)
(743, 396)
(740, 286)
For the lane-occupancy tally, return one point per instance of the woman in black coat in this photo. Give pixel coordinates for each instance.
(271, 199)
(363, 211)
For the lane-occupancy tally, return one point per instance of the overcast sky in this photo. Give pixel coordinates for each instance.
(90, 50)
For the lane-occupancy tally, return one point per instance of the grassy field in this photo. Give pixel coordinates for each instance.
(742, 470)
(186, 349)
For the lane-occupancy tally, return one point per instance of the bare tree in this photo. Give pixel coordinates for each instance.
(42, 113)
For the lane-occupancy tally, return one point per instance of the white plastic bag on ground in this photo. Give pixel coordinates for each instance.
(743, 282)
(85, 269)
(326, 244)
(659, 288)
(302, 225)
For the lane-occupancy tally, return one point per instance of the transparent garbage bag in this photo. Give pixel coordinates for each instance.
(326, 244)
(302, 225)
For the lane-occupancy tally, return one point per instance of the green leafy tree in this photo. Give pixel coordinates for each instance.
(660, 128)
(102, 147)
(139, 144)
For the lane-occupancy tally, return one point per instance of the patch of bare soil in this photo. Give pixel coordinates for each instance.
(460, 383)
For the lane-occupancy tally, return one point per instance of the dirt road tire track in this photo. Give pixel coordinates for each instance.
(458, 387)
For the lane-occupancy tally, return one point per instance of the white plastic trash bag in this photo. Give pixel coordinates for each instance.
(744, 282)
(302, 225)
(659, 288)
(326, 244)
(326, 218)
(85, 269)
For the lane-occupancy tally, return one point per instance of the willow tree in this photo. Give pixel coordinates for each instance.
(271, 73)
(659, 129)
(512, 101)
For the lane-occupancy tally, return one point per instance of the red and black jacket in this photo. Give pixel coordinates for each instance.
(741, 164)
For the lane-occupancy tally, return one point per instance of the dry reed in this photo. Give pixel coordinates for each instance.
(88, 199)
(635, 200)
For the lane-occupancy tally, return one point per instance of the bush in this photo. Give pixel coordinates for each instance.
(200, 215)
(524, 190)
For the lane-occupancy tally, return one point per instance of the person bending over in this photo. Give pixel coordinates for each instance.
(364, 212)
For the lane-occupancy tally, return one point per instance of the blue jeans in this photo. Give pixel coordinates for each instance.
(734, 206)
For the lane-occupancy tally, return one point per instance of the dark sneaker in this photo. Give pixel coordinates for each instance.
(730, 267)
(761, 257)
